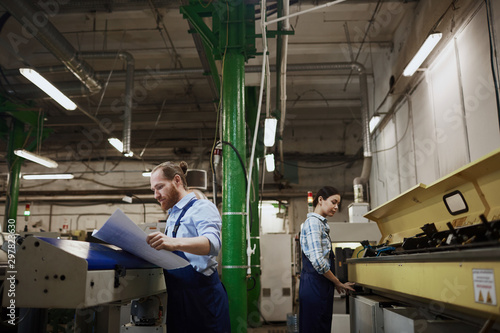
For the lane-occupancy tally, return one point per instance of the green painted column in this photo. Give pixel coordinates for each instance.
(14, 162)
(253, 282)
(234, 189)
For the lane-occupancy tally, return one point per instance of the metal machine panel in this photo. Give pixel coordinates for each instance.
(276, 279)
(444, 278)
(366, 314)
(435, 240)
(411, 320)
(50, 276)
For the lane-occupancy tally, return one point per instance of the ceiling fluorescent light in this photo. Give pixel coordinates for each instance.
(270, 131)
(119, 146)
(270, 162)
(422, 54)
(49, 176)
(36, 158)
(48, 88)
(146, 174)
(374, 123)
(116, 143)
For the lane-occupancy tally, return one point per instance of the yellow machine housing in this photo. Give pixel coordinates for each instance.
(457, 279)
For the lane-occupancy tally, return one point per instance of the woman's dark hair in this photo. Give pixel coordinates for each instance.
(325, 192)
(171, 169)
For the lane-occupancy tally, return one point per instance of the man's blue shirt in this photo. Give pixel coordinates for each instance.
(202, 219)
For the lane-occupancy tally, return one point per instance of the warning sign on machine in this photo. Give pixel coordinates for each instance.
(484, 286)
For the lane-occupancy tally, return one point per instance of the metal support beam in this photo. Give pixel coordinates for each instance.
(201, 28)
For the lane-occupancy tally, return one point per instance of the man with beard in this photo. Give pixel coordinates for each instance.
(197, 301)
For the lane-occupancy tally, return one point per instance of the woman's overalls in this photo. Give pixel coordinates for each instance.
(316, 298)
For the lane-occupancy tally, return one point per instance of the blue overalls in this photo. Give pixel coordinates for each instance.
(316, 298)
(196, 302)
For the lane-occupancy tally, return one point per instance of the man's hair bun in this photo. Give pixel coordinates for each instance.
(183, 165)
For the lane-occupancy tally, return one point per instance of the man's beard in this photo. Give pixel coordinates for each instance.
(171, 199)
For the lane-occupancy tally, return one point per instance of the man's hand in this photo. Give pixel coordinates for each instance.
(160, 241)
(195, 245)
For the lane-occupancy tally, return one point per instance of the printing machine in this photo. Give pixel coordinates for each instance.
(438, 259)
(95, 279)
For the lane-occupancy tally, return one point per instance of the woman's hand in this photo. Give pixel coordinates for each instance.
(160, 241)
(344, 287)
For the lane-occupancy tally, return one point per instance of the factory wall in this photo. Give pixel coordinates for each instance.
(449, 118)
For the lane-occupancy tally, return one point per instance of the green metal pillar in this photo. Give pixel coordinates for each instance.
(232, 41)
(253, 282)
(234, 190)
(14, 162)
(279, 45)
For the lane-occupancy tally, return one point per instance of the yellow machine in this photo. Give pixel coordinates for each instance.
(440, 250)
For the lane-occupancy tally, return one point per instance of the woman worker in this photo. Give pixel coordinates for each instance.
(197, 301)
(317, 281)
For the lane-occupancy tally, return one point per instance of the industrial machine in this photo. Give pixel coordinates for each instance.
(438, 259)
(94, 279)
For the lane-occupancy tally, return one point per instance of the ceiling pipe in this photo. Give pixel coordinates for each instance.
(129, 87)
(35, 23)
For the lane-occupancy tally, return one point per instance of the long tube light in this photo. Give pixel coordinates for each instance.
(118, 144)
(49, 176)
(36, 158)
(424, 51)
(48, 88)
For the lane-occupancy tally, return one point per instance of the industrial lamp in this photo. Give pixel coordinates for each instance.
(47, 162)
(119, 146)
(270, 162)
(422, 53)
(48, 88)
(270, 131)
(374, 121)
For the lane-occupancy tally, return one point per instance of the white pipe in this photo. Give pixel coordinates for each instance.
(263, 74)
(284, 57)
(268, 89)
(303, 12)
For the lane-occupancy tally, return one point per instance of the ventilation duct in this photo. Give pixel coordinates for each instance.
(45, 32)
(129, 90)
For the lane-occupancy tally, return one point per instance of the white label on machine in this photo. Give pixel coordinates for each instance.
(484, 286)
